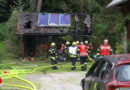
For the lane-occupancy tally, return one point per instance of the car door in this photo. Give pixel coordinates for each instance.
(101, 76)
(87, 81)
(105, 75)
(96, 80)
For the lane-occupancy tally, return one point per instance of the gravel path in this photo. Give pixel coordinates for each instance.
(57, 81)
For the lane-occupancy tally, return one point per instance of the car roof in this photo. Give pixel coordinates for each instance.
(116, 58)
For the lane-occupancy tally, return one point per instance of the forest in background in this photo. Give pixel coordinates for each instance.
(106, 23)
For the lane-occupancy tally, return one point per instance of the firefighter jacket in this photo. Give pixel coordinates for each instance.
(83, 50)
(52, 51)
(73, 51)
(66, 49)
(105, 50)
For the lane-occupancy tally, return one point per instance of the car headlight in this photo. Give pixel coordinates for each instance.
(122, 89)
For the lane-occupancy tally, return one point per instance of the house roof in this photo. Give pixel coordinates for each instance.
(115, 2)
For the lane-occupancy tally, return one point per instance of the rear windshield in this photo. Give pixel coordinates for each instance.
(123, 73)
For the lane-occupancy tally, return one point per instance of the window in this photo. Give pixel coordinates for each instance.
(123, 73)
(102, 63)
(93, 69)
(100, 69)
(105, 70)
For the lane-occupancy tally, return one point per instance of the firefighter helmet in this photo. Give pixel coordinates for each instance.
(77, 42)
(67, 43)
(86, 42)
(53, 44)
(74, 43)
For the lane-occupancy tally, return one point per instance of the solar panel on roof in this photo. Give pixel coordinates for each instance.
(65, 19)
(43, 19)
(54, 20)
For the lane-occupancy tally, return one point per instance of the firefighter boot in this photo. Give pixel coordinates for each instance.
(72, 68)
(85, 67)
(82, 68)
(55, 67)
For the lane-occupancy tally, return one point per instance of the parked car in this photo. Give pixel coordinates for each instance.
(108, 73)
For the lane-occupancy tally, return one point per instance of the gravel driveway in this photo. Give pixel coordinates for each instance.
(57, 81)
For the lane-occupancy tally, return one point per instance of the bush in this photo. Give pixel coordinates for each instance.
(8, 35)
(119, 48)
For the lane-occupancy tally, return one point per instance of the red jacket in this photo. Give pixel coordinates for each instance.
(91, 46)
(83, 50)
(62, 47)
(105, 50)
(0, 81)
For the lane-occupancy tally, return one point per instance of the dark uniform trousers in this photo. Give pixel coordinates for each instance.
(83, 60)
(73, 60)
(54, 62)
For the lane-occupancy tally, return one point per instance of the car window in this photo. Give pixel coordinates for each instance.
(93, 69)
(105, 70)
(99, 68)
(123, 73)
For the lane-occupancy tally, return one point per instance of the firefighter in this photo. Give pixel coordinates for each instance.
(105, 49)
(90, 50)
(83, 56)
(87, 44)
(53, 56)
(91, 46)
(62, 47)
(66, 51)
(73, 54)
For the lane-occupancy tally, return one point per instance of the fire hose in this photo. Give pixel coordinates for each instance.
(34, 87)
(28, 65)
(16, 73)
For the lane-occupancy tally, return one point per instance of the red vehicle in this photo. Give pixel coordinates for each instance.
(108, 73)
